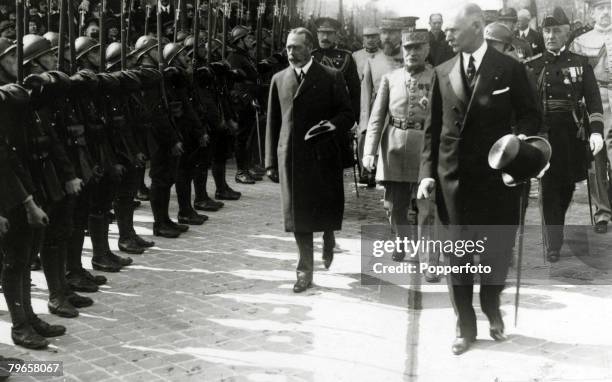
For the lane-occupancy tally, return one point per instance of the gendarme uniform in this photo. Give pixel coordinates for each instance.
(564, 80)
(363, 55)
(341, 60)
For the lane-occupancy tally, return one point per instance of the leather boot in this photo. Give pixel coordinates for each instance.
(45, 329)
(98, 230)
(224, 192)
(78, 300)
(202, 201)
(53, 267)
(125, 223)
(27, 337)
(160, 226)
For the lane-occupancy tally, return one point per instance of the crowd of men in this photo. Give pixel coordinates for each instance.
(75, 144)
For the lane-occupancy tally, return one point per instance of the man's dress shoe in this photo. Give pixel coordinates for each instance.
(301, 285)
(461, 345)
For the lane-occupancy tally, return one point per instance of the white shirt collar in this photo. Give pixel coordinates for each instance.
(524, 32)
(559, 53)
(303, 68)
(478, 56)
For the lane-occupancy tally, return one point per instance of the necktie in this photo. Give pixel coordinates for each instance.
(301, 77)
(471, 71)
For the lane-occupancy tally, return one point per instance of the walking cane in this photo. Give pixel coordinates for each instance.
(519, 261)
(256, 107)
(356, 165)
(542, 222)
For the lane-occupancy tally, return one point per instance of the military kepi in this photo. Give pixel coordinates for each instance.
(327, 24)
(557, 18)
(417, 36)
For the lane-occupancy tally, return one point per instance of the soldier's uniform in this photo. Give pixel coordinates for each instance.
(395, 134)
(564, 81)
(363, 55)
(243, 94)
(341, 60)
(596, 44)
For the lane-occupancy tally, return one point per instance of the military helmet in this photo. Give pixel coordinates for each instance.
(6, 45)
(35, 46)
(113, 54)
(498, 32)
(239, 32)
(84, 45)
(143, 45)
(181, 36)
(172, 50)
(53, 37)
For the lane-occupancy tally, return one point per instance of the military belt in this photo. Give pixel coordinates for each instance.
(559, 106)
(404, 123)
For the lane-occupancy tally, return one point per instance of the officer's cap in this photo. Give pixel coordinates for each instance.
(407, 22)
(556, 18)
(327, 24)
(490, 15)
(415, 37)
(595, 3)
(507, 14)
(498, 32)
(370, 31)
(391, 24)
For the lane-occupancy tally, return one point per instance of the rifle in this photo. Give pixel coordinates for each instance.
(128, 21)
(82, 13)
(19, 35)
(209, 36)
(48, 15)
(61, 48)
(71, 38)
(177, 16)
(147, 16)
(26, 16)
(123, 36)
(196, 40)
(160, 53)
(226, 9)
(275, 14)
(102, 37)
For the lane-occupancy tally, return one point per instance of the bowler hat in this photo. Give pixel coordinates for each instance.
(319, 131)
(519, 160)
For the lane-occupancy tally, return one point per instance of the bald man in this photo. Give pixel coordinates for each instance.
(474, 98)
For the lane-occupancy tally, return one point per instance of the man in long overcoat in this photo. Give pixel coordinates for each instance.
(475, 94)
(310, 172)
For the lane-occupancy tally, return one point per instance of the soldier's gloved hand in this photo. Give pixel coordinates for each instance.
(74, 186)
(426, 188)
(36, 216)
(204, 140)
(596, 142)
(117, 172)
(369, 162)
(4, 226)
(522, 137)
(177, 150)
(272, 174)
(141, 160)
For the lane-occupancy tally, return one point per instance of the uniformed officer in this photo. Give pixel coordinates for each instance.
(374, 69)
(565, 83)
(371, 48)
(395, 133)
(597, 46)
(329, 55)
(244, 94)
(508, 17)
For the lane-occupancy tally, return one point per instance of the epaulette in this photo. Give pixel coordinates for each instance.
(532, 58)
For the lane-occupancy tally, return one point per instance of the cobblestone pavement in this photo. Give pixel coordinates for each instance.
(217, 305)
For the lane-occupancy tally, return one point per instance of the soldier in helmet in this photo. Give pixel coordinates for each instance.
(499, 37)
(329, 55)
(190, 125)
(165, 140)
(565, 83)
(244, 94)
(508, 17)
(87, 53)
(596, 44)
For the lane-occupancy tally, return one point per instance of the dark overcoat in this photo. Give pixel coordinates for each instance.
(312, 190)
(461, 129)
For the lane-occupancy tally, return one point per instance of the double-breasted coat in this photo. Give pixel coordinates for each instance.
(461, 128)
(312, 191)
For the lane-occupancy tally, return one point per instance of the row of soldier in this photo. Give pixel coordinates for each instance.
(75, 147)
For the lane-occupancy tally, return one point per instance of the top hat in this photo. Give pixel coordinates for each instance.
(319, 131)
(519, 160)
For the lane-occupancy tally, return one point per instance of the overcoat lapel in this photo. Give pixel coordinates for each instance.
(309, 80)
(456, 81)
